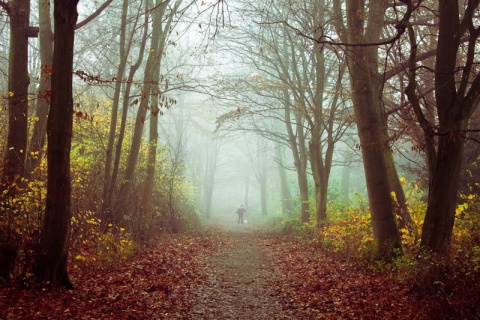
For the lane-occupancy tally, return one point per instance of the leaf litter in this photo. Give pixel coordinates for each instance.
(222, 274)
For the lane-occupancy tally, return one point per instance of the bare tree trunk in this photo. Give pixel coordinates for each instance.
(247, 186)
(45, 37)
(345, 183)
(442, 195)
(110, 216)
(456, 102)
(124, 50)
(210, 169)
(153, 62)
(284, 187)
(371, 119)
(151, 159)
(18, 82)
(16, 149)
(54, 243)
(297, 145)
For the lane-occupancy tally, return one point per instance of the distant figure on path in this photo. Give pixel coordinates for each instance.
(240, 212)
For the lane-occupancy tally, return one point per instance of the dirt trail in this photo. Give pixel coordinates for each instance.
(239, 284)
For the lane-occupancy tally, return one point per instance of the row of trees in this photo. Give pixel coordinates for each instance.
(313, 70)
(414, 58)
(138, 79)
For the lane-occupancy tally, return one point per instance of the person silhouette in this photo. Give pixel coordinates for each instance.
(240, 212)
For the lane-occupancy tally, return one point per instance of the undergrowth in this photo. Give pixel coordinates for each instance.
(451, 281)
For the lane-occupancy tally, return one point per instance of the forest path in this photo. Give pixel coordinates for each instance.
(239, 284)
(221, 272)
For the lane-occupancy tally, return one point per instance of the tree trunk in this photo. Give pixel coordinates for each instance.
(45, 37)
(18, 82)
(320, 178)
(109, 216)
(345, 183)
(442, 196)
(371, 120)
(262, 180)
(153, 62)
(247, 186)
(124, 50)
(284, 187)
(456, 101)
(14, 159)
(297, 145)
(151, 159)
(54, 243)
(210, 169)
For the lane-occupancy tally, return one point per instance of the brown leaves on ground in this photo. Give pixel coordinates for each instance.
(187, 273)
(150, 287)
(318, 286)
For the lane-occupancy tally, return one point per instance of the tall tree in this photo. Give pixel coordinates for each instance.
(18, 83)
(54, 243)
(212, 150)
(45, 37)
(284, 187)
(364, 23)
(149, 83)
(158, 100)
(16, 148)
(124, 51)
(457, 94)
(107, 202)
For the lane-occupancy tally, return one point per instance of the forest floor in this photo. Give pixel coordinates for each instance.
(236, 272)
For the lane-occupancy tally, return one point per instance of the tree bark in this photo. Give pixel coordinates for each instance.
(124, 50)
(297, 145)
(284, 187)
(210, 169)
(16, 148)
(371, 119)
(18, 83)
(54, 243)
(45, 37)
(109, 216)
(442, 195)
(153, 62)
(455, 103)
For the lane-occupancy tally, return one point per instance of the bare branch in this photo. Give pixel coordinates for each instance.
(5, 6)
(93, 15)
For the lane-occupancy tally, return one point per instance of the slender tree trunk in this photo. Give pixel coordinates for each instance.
(345, 183)
(110, 216)
(153, 62)
(247, 186)
(210, 169)
(54, 243)
(45, 37)
(321, 173)
(151, 158)
(124, 50)
(284, 187)
(297, 145)
(262, 181)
